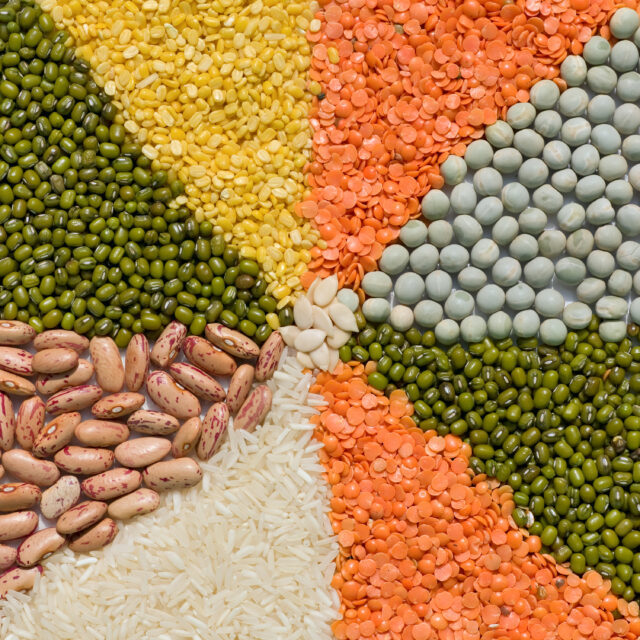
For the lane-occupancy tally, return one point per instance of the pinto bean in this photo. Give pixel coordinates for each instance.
(141, 452)
(171, 398)
(18, 495)
(38, 546)
(84, 460)
(239, 387)
(107, 362)
(117, 405)
(7, 423)
(18, 580)
(57, 434)
(197, 381)
(111, 484)
(204, 355)
(56, 360)
(17, 525)
(101, 433)
(80, 517)
(29, 421)
(154, 423)
(60, 497)
(214, 425)
(254, 408)
(172, 474)
(136, 362)
(231, 341)
(269, 358)
(16, 361)
(26, 468)
(186, 438)
(74, 399)
(98, 536)
(11, 383)
(59, 338)
(48, 384)
(134, 504)
(14, 333)
(8, 556)
(168, 345)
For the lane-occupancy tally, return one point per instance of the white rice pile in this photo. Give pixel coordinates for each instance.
(248, 554)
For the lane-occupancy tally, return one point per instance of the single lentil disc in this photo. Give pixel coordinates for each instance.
(612, 167)
(520, 296)
(499, 325)
(602, 79)
(488, 210)
(376, 309)
(487, 181)
(544, 94)
(484, 253)
(551, 243)
(553, 332)
(414, 233)
(600, 212)
(440, 233)
(548, 199)
(600, 263)
(424, 259)
(601, 109)
(628, 87)
(409, 288)
(590, 290)
(532, 221)
(623, 23)
(428, 313)
(619, 192)
(459, 305)
(515, 197)
(478, 154)
(539, 272)
(453, 170)
(507, 160)
(472, 279)
(573, 102)
(526, 323)
(453, 258)
(584, 160)
(499, 134)
(549, 303)
(556, 154)
(596, 50)
(505, 230)
(574, 70)
(467, 230)
(626, 119)
(438, 285)
(377, 284)
(571, 217)
(577, 315)
(506, 272)
(608, 237)
(401, 318)
(473, 329)
(523, 247)
(628, 255)
(613, 331)
(564, 181)
(548, 123)
(463, 198)
(620, 283)
(521, 115)
(590, 188)
(394, 259)
(528, 142)
(435, 205)
(490, 298)
(447, 331)
(571, 271)
(533, 173)
(575, 131)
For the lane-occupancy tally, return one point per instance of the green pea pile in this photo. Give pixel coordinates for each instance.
(89, 238)
(560, 425)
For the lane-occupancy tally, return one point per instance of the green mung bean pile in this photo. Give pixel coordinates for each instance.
(560, 425)
(90, 237)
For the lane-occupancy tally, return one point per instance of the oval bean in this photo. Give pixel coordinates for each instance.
(186, 438)
(17, 525)
(214, 425)
(171, 398)
(111, 484)
(118, 405)
(8, 557)
(74, 399)
(29, 421)
(7, 423)
(59, 338)
(46, 385)
(153, 423)
(80, 517)
(254, 408)
(97, 537)
(197, 381)
(168, 345)
(84, 460)
(26, 468)
(56, 434)
(204, 355)
(16, 361)
(239, 387)
(172, 474)
(269, 357)
(141, 452)
(16, 385)
(18, 580)
(107, 363)
(60, 497)
(56, 360)
(18, 495)
(38, 546)
(15, 333)
(136, 362)
(134, 504)
(101, 433)
(233, 342)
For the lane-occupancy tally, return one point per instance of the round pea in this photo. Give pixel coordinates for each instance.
(504, 231)
(533, 173)
(532, 221)
(472, 278)
(414, 233)
(596, 50)
(467, 230)
(435, 205)
(453, 170)
(507, 160)
(447, 331)
(623, 23)
(577, 315)
(553, 332)
(478, 154)
(377, 284)
(409, 288)
(473, 329)
(428, 313)
(424, 259)
(394, 259)
(590, 290)
(520, 297)
(544, 94)
(521, 115)
(499, 134)
(551, 243)
(506, 271)
(548, 123)
(453, 258)
(438, 285)
(488, 210)
(549, 303)
(376, 310)
(440, 233)
(463, 198)
(574, 70)
(490, 298)
(538, 272)
(575, 132)
(499, 325)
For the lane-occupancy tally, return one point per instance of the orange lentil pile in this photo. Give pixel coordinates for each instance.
(400, 85)
(427, 551)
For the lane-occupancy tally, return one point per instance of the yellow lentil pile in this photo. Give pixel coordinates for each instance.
(215, 91)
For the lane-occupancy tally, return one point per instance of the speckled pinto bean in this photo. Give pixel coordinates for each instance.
(16, 361)
(17, 525)
(8, 556)
(171, 398)
(136, 362)
(101, 433)
(84, 461)
(107, 362)
(29, 421)
(233, 342)
(269, 356)
(135, 504)
(239, 387)
(24, 467)
(46, 385)
(186, 438)
(14, 333)
(141, 452)
(74, 399)
(111, 484)
(55, 360)
(197, 381)
(38, 546)
(80, 517)
(153, 423)
(168, 345)
(97, 537)
(172, 474)
(209, 358)
(59, 338)
(7, 423)
(118, 405)
(60, 497)
(11, 383)
(55, 435)
(215, 423)
(254, 409)
(18, 580)
(15, 496)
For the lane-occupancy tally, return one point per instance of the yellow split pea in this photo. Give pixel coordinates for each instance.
(214, 91)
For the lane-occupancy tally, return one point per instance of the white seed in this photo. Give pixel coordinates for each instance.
(304, 360)
(321, 320)
(338, 338)
(326, 291)
(343, 317)
(289, 334)
(309, 339)
(302, 313)
(320, 357)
